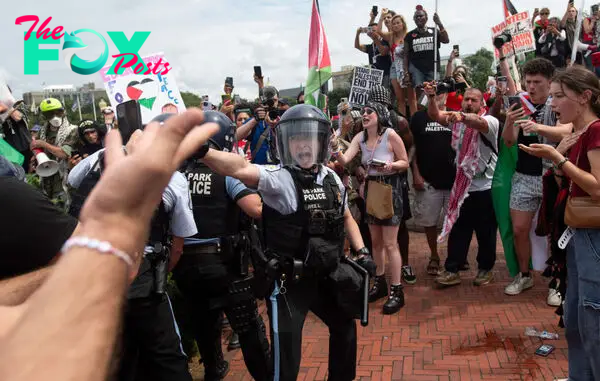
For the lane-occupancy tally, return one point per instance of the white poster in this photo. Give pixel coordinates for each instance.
(156, 93)
(6, 100)
(362, 81)
(519, 27)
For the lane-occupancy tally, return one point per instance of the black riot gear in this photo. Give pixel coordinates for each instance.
(224, 139)
(303, 134)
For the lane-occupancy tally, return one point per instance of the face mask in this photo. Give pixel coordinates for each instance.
(55, 121)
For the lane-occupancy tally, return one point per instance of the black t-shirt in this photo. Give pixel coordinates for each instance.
(33, 229)
(419, 47)
(435, 156)
(376, 60)
(528, 164)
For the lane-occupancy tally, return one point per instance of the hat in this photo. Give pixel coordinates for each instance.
(380, 94)
(383, 114)
(36, 128)
(107, 110)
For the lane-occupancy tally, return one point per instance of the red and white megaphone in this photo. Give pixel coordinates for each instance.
(45, 167)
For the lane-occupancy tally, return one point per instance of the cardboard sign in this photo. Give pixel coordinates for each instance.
(362, 81)
(519, 27)
(6, 99)
(156, 93)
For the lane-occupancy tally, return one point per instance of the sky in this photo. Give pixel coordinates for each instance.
(206, 41)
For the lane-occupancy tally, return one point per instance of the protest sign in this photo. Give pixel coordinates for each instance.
(362, 81)
(6, 99)
(519, 27)
(156, 93)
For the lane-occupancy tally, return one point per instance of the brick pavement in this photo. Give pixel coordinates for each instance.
(461, 333)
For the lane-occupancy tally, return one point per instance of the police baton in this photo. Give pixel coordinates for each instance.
(364, 311)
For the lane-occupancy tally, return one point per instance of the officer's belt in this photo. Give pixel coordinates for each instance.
(208, 248)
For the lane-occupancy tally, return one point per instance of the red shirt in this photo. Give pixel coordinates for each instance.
(454, 101)
(588, 141)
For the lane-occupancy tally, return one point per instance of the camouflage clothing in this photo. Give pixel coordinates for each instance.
(66, 137)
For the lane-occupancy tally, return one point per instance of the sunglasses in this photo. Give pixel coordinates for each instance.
(544, 14)
(367, 110)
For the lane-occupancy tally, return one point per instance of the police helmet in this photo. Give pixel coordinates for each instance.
(162, 118)
(303, 134)
(224, 139)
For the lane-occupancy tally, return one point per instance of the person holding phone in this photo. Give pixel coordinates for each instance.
(378, 51)
(384, 155)
(526, 190)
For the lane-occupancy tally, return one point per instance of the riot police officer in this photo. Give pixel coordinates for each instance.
(304, 218)
(212, 274)
(151, 345)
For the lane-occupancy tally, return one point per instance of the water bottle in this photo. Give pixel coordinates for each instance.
(530, 331)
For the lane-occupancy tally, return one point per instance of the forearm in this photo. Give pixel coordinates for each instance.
(476, 122)
(353, 232)
(14, 291)
(432, 109)
(357, 41)
(56, 151)
(176, 251)
(449, 66)
(444, 39)
(243, 131)
(509, 134)
(505, 71)
(554, 134)
(400, 165)
(81, 302)
(414, 166)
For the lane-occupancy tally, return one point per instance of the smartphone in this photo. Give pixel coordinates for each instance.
(374, 10)
(258, 71)
(544, 350)
(515, 100)
(129, 117)
(594, 9)
(226, 97)
(74, 153)
(206, 106)
(205, 98)
(229, 81)
(455, 47)
(237, 100)
(377, 163)
(502, 82)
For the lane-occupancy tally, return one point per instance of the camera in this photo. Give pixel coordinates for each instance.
(449, 85)
(268, 100)
(502, 39)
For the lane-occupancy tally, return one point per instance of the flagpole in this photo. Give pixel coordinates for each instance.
(79, 106)
(94, 105)
(577, 33)
(435, 50)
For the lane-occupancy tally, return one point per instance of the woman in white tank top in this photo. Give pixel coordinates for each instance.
(380, 143)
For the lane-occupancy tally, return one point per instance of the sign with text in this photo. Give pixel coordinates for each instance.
(519, 27)
(156, 93)
(362, 81)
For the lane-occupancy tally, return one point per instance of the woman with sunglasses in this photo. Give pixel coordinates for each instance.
(379, 143)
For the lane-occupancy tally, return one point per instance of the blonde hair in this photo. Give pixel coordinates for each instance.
(404, 28)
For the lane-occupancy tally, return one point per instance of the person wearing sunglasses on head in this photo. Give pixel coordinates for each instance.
(384, 156)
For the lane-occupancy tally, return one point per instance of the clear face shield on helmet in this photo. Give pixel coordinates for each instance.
(303, 143)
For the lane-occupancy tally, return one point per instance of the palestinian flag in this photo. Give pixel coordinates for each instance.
(319, 62)
(509, 8)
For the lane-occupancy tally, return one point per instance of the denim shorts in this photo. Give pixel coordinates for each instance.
(418, 77)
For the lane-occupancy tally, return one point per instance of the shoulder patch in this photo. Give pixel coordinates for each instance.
(271, 167)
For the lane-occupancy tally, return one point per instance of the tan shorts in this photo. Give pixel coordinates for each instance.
(430, 204)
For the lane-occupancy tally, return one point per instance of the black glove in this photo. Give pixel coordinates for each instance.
(364, 260)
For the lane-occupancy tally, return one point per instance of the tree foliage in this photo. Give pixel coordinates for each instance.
(480, 65)
(191, 99)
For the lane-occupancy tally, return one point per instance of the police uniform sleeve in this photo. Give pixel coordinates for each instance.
(277, 189)
(236, 189)
(78, 173)
(178, 204)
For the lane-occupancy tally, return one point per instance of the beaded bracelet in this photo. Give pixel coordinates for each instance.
(101, 246)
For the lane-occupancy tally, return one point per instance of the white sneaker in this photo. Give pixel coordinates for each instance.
(554, 297)
(519, 284)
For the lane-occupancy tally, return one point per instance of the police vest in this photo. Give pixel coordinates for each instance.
(215, 213)
(88, 183)
(143, 284)
(320, 213)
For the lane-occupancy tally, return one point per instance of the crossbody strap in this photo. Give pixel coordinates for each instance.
(260, 142)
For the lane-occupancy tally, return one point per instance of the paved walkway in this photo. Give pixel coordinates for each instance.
(462, 333)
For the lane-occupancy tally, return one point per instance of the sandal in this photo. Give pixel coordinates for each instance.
(434, 266)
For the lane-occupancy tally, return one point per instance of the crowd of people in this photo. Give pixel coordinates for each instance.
(267, 201)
